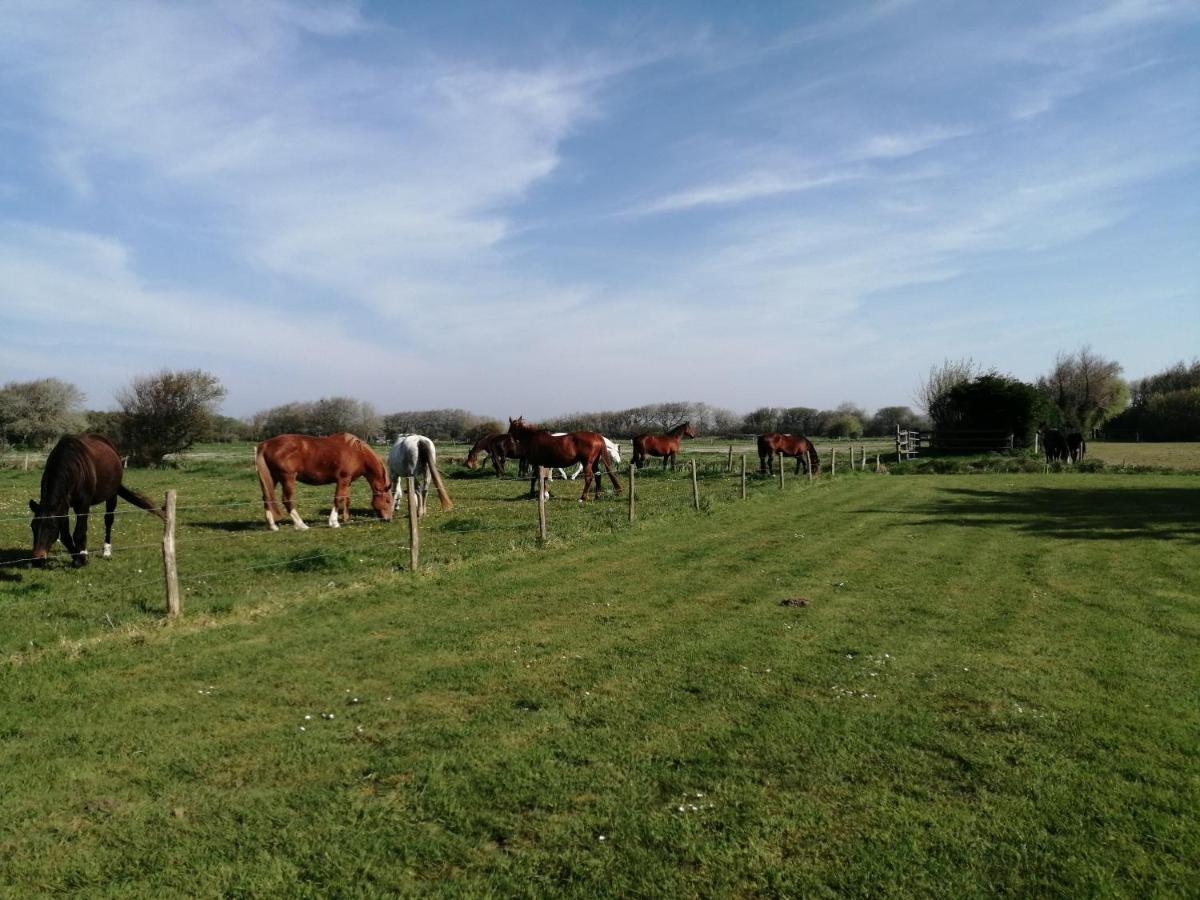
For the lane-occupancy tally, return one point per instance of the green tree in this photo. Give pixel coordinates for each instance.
(167, 413)
(1084, 389)
(33, 413)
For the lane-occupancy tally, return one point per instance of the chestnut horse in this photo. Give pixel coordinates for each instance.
(80, 472)
(541, 448)
(288, 458)
(664, 445)
(796, 445)
(500, 447)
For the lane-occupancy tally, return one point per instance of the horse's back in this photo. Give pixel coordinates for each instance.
(83, 467)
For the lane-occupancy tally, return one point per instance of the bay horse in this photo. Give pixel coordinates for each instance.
(415, 454)
(664, 445)
(80, 472)
(541, 448)
(500, 447)
(796, 445)
(341, 458)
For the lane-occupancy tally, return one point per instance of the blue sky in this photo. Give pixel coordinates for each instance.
(547, 207)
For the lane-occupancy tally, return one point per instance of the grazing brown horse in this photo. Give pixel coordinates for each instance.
(80, 472)
(796, 445)
(500, 447)
(340, 458)
(664, 445)
(541, 448)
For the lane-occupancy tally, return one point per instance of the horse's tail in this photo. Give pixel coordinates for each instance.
(267, 483)
(608, 467)
(139, 500)
(427, 456)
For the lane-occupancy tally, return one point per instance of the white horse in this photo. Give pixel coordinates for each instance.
(414, 454)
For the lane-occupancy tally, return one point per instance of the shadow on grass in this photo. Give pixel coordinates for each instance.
(1076, 513)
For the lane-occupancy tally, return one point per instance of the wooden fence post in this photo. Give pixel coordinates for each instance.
(541, 482)
(26, 466)
(781, 458)
(851, 456)
(729, 468)
(743, 476)
(1036, 435)
(695, 488)
(632, 490)
(170, 572)
(878, 465)
(833, 462)
(414, 528)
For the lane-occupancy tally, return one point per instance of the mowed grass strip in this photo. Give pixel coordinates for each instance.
(991, 689)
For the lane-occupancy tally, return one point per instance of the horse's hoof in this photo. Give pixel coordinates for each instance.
(80, 561)
(273, 527)
(107, 552)
(302, 527)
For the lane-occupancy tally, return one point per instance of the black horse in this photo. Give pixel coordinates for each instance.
(1054, 443)
(80, 472)
(1076, 446)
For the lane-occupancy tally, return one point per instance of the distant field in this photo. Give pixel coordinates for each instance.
(991, 690)
(1171, 456)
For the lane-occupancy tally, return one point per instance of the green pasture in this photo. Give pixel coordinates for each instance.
(989, 687)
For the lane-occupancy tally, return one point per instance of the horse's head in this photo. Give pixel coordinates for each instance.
(472, 459)
(383, 502)
(45, 533)
(688, 430)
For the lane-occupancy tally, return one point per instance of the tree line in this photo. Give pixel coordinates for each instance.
(169, 411)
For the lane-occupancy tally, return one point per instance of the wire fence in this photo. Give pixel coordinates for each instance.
(252, 540)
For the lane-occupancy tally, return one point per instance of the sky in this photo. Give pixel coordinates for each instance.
(540, 208)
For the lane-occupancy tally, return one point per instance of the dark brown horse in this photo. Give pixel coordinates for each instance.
(1054, 445)
(664, 445)
(500, 447)
(288, 458)
(541, 448)
(1076, 447)
(796, 445)
(80, 472)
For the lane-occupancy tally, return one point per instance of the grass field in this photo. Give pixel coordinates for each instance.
(1184, 456)
(992, 689)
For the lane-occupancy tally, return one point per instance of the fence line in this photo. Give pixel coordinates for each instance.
(374, 552)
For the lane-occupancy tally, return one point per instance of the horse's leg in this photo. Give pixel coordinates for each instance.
(799, 459)
(587, 479)
(80, 553)
(109, 507)
(341, 503)
(287, 487)
(422, 488)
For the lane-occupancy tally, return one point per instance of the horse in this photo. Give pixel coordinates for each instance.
(1054, 443)
(340, 458)
(541, 448)
(614, 452)
(796, 445)
(414, 454)
(664, 445)
(80, 472)
(500, 447)
(1076, 447)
